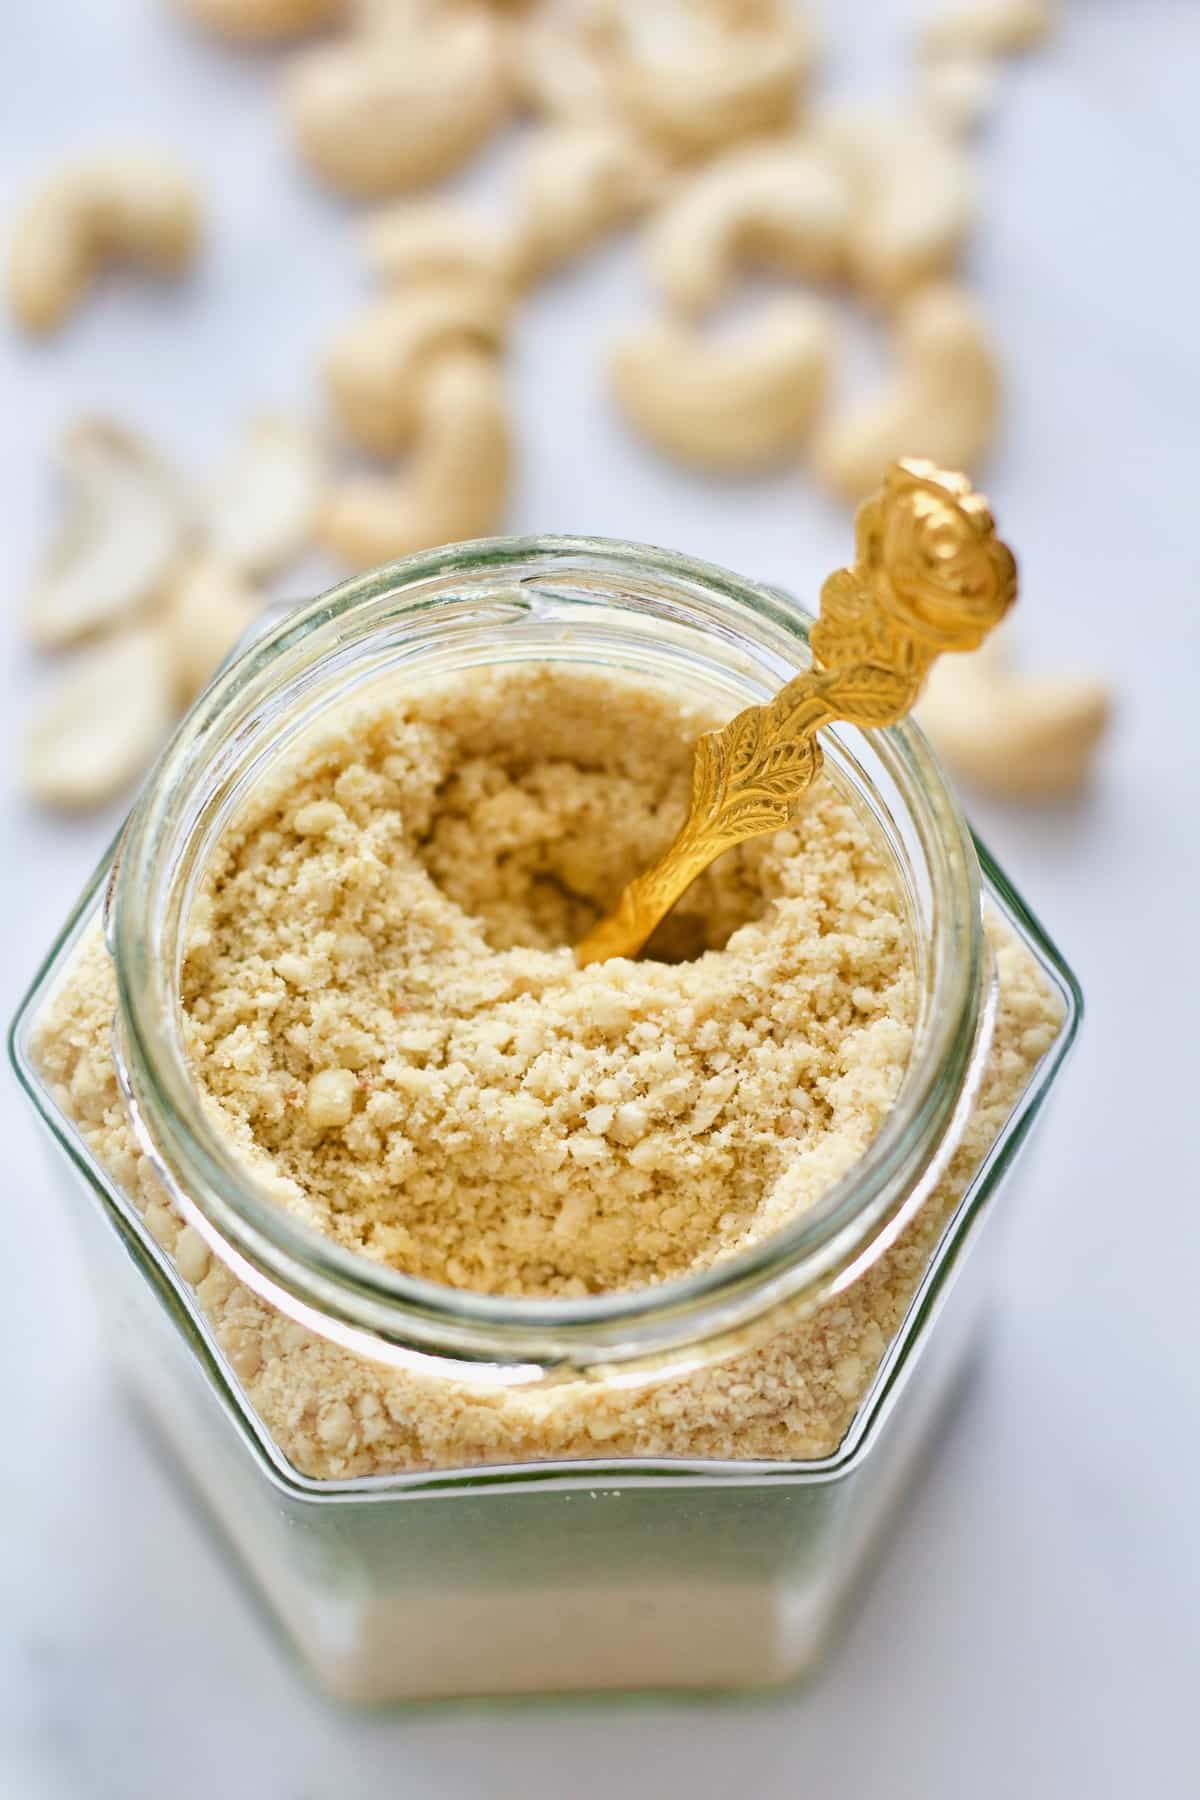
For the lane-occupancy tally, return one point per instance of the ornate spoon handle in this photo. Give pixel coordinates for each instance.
(929, 575)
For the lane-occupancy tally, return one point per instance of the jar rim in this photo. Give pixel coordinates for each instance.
(380, 1311)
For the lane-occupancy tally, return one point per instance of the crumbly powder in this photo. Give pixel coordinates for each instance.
(384, 1012)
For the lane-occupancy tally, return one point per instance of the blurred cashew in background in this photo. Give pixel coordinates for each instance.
(456, 482)
(912, 195)
(577, 184)
(779, 205)
(737, 403)
(124, 531)
(1014, 735)
(374, 368)
(392, 108)
(103, 722)
(942, 403)
(131, 206)
(209, 605)
(261, 508)
(420, 239)
(988, 28)
(261, 21)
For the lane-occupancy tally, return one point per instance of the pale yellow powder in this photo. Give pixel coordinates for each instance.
(383, 1004)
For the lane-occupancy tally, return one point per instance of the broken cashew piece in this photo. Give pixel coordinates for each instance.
(579, 183)
(209, 605)
(912, 196)
(779, 205)
(375, 369)
(741, 403)
(989, 28)
(391, 110)
(424, 239)
(262, 508)
(134, 207)
(1012, 735)
(943, 402)
(261, 21)
(456, 483)
(125, 529)
(103, 724)
(699, 77)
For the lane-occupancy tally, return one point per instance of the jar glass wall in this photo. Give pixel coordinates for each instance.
(551, 1574)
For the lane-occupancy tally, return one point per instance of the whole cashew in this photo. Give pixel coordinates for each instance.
(390, 110)
(780, 204)
(737, 405)
(1020, 737)
(989, 28)
(423, 239)
(942, 403)
(132, 206)
(579, 183)
(911, 195)
(124, 532)
(261, 21)
(457, 480)
(374, 370)
(103, 723)
(698, 76)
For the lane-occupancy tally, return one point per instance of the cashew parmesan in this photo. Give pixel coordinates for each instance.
(382, 1007)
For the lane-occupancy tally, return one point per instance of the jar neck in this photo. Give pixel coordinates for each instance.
(585, 602)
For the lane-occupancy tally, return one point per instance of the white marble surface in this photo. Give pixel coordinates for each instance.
(1036, 1628)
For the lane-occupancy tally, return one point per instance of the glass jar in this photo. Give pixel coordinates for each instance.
(620, 1572)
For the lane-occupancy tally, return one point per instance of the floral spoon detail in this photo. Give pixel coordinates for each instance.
(929, 575)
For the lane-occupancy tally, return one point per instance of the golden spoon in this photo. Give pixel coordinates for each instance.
(929, 575)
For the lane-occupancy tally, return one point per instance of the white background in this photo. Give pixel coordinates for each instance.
(1036, 1627)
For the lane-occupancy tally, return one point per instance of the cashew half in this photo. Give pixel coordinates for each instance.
(262, 508)
(392, 110)
(133, 206)
(579, 183)
(124, 532)
(736, 405)
(911, 193)
(457, 481)
(209, 605)
(104, 723)
(780, 204)
(261, 21)
(943, 402)
(374, 370)
(989, 28)
(1017, 736)
(701, 76)
(421, 239)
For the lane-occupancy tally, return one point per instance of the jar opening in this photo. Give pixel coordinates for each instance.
(587, 603)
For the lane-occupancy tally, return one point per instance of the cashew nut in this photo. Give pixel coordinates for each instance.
(911, 195)
(989, 28)
(391, 109)
(739, 405)
(958, 92)
(457, 481)
(124, 532)
(262, 21)
(374, 369)
(559, 71)
(130, 206)
(209, 605)
(942, 403)
(701, 75)
(104, 723)
(580, 182)
(780, 204)
(262, 508)
(1020, 737)
(426, 239)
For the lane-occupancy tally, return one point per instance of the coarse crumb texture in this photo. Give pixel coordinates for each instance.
(383, 1010)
